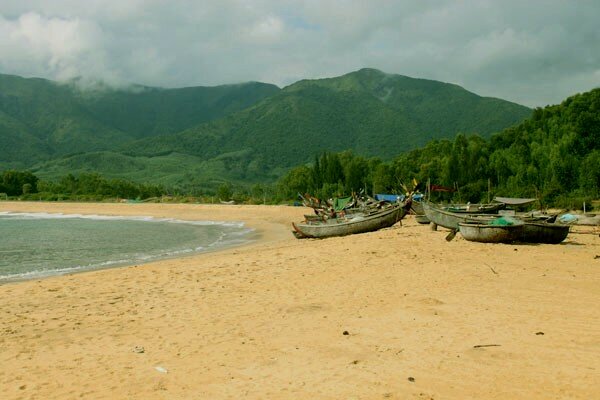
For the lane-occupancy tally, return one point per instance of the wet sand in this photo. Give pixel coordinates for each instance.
(400, 313)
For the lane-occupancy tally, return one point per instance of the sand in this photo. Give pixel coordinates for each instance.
(399, 313)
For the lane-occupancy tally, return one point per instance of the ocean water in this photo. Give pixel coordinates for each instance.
(35, 245)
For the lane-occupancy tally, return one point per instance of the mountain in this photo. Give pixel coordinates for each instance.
(41, 119)
(368, 111)
(147, 111)
(244, 133)
(553, 156)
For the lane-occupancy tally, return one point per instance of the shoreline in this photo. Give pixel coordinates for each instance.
(263, 231)
(250, 236)
(398, 313)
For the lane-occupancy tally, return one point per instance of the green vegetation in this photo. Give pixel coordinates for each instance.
(554, 156)
(42, 120)
(368, 112)
(17, 183)
(143, 111)
(255, 143)
(244, 134)
(86, 187)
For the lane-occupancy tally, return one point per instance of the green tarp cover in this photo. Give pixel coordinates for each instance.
(504, 221)
(340, 203)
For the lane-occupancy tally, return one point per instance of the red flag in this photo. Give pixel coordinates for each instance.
(438, 188)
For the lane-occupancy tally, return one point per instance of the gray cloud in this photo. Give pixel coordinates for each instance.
(534, 53)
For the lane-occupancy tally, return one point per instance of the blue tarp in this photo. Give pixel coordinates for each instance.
(566, 218)
(392, 198)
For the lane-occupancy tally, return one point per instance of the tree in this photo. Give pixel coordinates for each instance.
(14, 181)
(589, 178)
(224, 192)
(297, 180)
(356, 174)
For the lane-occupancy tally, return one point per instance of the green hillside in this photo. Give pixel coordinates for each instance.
(438, 109)
(369, 112)
(174, 170)
(40, 119)
(144, 111)
(244, 133)
(553, 156)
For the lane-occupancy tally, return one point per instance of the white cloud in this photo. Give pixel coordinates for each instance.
(56, 48)
(530, 52)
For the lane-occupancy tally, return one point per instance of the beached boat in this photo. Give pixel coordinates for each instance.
(422, 219)
(357, 222)
(544, 232)
(417, 209)
(450, 216)
(491, 208)
(520, 231)
(449, 219)
(489, 233)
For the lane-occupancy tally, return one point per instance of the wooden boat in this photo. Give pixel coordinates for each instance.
(422, 219)
(349, 224)
(486, 233)
(526, 232)
(544, 232)
(449, 219)
(491, 208)
(417, 209)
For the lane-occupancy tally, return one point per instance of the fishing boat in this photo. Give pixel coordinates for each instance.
(544, 232)
(520, 231)
(449, 219)
(490, 233)
(417, 209)
(422, 219)
(491, 208)
(351, 223)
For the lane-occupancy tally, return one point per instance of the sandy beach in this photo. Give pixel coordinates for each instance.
(400, 313)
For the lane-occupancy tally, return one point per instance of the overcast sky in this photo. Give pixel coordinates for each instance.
(531, 52)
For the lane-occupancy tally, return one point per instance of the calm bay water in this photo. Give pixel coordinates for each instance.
(34, 245)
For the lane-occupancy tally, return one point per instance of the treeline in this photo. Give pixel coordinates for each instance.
(553, 156)
(85, 187)
(24, 185)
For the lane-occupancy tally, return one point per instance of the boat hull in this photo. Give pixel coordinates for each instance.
(483, 233)
(492, 208)
(528, 232)
(542, 232)
(422, 219)
(348, 226)
(450, 220)
(417, 208)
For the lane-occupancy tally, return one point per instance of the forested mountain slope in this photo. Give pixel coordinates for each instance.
(250, 132)
(368, 111)
(41, 119)
(553, 156)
